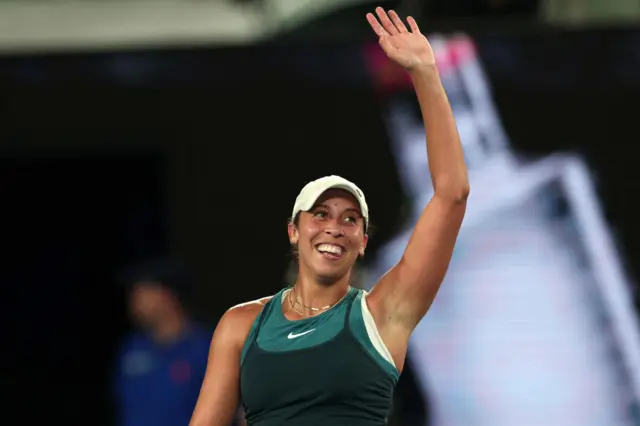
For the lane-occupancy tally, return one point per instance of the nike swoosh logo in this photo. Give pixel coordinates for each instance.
(293, 336)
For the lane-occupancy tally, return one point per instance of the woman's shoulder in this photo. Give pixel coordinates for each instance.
(235, 325)
(250, 309)
(241, 317)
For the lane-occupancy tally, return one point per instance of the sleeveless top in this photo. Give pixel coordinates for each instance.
(324, 370)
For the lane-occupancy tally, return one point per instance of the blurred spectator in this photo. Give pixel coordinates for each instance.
(161, 365)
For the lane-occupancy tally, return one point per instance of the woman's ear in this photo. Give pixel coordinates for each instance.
(364, 245)
(293, 234)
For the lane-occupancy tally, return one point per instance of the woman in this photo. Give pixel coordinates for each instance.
(321, 352)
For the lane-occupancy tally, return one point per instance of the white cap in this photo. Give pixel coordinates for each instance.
(314, 189)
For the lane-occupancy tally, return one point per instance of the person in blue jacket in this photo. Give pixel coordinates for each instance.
(160, 365)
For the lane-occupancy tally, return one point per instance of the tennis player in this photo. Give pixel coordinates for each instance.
(322, 352)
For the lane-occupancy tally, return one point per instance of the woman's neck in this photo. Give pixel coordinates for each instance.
(312, 294)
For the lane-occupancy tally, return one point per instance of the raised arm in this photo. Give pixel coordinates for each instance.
(219, 394)
(403, 296)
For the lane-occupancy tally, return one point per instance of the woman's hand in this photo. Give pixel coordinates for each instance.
(409, 49)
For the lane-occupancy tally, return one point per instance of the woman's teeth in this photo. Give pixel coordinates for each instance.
(329, 248)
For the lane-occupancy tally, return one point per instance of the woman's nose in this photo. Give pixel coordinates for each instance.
(334, 229)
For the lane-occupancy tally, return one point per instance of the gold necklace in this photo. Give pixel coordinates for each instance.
(324, 308)
(294, 307)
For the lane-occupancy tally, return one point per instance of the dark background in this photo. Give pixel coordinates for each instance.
(109, 158)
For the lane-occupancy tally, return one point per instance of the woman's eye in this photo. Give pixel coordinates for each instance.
(320, 214)
(351, 219)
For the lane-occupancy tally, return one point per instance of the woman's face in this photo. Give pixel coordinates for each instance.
(330, 236)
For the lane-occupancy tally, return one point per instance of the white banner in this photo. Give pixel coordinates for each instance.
(27, 26)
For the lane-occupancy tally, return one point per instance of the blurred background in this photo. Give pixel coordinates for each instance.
(150, 153)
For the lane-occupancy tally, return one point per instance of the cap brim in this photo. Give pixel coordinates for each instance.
(312, 200)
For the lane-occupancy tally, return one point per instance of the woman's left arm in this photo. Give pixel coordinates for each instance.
(402, 297)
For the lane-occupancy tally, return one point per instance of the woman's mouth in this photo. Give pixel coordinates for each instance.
(330, 251)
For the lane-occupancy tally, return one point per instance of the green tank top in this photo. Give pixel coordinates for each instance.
(322, 370)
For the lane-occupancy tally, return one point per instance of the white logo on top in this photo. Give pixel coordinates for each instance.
(293, 336)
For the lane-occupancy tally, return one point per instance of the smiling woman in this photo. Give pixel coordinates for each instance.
(323, 352)
(328, 230)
